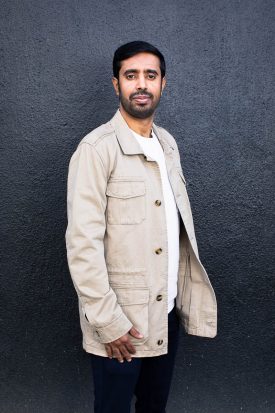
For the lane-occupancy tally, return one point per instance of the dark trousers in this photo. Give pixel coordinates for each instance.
(149, 378)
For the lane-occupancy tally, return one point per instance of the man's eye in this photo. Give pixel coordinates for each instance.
(130, 77)
(151, 76)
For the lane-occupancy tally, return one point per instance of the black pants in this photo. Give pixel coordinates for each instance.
(149, 378)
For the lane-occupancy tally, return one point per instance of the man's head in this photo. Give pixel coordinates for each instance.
(139, 78)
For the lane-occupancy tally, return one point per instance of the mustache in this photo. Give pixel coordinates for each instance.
(141, 92)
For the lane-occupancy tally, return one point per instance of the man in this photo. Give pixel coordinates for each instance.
(131, 245)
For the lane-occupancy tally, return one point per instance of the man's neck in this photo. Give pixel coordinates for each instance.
(142, 127)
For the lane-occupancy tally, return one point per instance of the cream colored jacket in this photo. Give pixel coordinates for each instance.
(117, 243)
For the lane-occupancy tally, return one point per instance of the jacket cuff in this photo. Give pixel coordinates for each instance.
(114, 330)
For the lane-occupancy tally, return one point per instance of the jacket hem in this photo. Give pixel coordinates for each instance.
(139, 353)
(201, 332)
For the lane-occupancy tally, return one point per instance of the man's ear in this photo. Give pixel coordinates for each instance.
(116, 85)
(163, 83)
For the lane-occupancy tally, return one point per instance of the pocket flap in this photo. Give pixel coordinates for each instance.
(125, 189)
(127, 296)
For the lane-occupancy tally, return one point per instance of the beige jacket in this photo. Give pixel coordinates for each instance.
(117, 243)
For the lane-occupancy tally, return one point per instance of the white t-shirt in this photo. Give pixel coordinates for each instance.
(152, 148)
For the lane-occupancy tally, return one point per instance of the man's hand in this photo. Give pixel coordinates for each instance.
(122, 347)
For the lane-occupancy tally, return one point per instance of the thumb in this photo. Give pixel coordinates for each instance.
(135, 333)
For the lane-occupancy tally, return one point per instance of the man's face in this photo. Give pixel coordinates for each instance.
(139, 86)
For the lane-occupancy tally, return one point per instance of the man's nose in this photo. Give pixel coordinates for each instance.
(141, 83)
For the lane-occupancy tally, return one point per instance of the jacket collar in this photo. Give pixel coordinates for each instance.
(128, 144)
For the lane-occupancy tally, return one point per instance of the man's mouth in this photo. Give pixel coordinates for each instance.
(142, 99)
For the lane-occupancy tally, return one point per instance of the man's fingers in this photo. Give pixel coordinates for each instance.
(117, 354)
(109, 351)
(125, 353)
(135, 333)
(129, 346)
(122, 348)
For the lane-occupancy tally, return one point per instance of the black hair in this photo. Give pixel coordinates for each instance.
(131, 49)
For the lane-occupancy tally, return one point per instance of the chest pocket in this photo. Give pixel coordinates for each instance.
(125, 202)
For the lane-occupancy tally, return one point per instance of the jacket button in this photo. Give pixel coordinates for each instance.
(158, 202)
(160, 342)
(159, 297)
(158, 251)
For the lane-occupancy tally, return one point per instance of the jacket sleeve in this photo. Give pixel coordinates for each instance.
(86, 202)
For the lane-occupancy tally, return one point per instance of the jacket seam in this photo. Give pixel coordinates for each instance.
(98, 139)
(96, 151)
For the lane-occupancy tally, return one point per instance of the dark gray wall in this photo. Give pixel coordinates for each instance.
(55, 87)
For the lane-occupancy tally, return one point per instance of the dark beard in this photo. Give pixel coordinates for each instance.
(140, 112)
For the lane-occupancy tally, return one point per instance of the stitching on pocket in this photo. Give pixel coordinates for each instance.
(126, 202)
(125, 189)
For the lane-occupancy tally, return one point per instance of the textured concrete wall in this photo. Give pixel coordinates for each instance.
(54, 88)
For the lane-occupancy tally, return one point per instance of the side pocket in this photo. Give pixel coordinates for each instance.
(182, 176)
(134, 304)
(186, 291)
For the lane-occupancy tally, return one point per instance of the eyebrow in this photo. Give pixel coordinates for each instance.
(128, 71)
